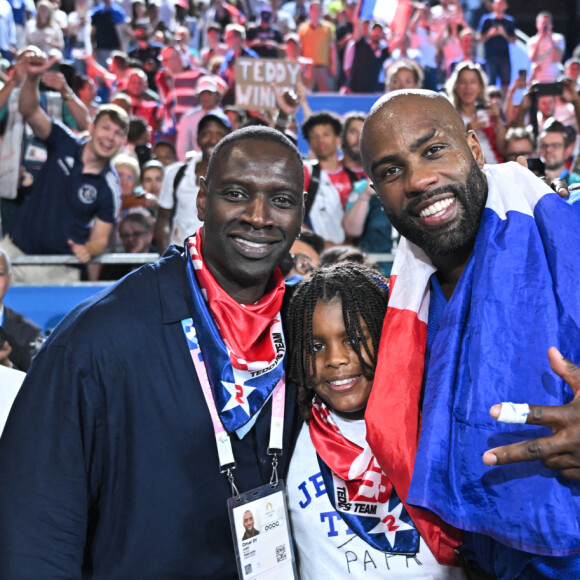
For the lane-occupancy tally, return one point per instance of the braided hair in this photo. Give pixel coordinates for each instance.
(364, 296)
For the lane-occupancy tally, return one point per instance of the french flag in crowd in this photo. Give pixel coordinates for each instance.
(517, 297)
(395, 13)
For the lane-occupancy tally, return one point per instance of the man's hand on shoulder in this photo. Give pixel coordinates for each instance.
(560, 186)
(559, 451)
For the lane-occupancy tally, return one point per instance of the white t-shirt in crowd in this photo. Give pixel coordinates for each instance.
(185, 221)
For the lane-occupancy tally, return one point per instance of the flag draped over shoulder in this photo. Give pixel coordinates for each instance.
(517, 297)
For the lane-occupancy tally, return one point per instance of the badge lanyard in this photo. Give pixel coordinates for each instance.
(224, 445)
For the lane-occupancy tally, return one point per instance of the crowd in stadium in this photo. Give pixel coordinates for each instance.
(168, 64)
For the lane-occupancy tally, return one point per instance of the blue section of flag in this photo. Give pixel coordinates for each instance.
(517, 297)
(381, 10)
(367, 9)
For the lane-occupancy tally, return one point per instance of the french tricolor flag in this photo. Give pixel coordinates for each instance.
(517, 296)
(395, 13)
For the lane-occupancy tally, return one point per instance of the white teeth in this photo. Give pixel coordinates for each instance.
(436, 207)
(252, 244)
(343, 382)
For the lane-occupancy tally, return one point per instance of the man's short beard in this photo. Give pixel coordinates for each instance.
(451, 237)
(349, 152)
(553, 166)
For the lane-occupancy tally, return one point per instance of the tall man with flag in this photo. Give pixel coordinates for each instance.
(484, 283)
(161, 397)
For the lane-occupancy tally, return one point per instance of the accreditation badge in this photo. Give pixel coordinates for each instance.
(261, 534)
(35, 153)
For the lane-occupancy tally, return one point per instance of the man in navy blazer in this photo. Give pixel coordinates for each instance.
(108, 462)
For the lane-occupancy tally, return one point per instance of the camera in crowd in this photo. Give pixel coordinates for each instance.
(536, 166)
(547, 89)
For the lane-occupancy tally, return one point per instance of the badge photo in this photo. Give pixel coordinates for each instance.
(261, 534)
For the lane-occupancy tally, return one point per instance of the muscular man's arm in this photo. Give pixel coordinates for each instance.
(355, 217)
(18, 75)
(6, 91)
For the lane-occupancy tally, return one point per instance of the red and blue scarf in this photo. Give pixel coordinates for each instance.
(359, 489)
(242, 345)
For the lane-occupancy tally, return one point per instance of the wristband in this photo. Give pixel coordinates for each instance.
(66, 94)
(283, 120)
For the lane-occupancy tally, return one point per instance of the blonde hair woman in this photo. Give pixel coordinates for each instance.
(43, 31)
(467, 89)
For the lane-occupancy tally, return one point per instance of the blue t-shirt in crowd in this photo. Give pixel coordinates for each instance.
(497, 46)
(64, 200)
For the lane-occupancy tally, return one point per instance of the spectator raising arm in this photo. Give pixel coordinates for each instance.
(13, 82)
(29, 104)
(78, 110)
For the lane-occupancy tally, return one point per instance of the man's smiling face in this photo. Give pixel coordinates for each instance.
(252, 208)
(426, 171)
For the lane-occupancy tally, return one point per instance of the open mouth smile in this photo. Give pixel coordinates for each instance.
(344, 384)
(438, 212)
(253, 248)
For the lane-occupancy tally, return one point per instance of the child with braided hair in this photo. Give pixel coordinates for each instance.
(346, 516)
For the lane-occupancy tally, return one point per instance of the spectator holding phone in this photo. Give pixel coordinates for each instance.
(545, 50)
(43, 31)
(497, 31)
(555, 144)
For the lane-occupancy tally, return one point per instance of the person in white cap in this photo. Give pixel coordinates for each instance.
(209, 90)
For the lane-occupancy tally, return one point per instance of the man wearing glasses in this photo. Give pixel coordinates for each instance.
(518, 141)
(555, 145)
(136, 233)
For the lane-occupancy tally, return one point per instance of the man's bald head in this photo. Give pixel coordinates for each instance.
(426, 171)
(401, 105)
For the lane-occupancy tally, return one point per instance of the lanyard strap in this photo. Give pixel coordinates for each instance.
(223, 443)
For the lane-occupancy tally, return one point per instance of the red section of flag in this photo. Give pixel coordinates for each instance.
(394, 422)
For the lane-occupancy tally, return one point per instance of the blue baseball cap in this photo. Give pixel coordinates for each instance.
(215, 115)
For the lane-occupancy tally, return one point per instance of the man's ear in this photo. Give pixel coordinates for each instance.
(475, 148)
(201, 199)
